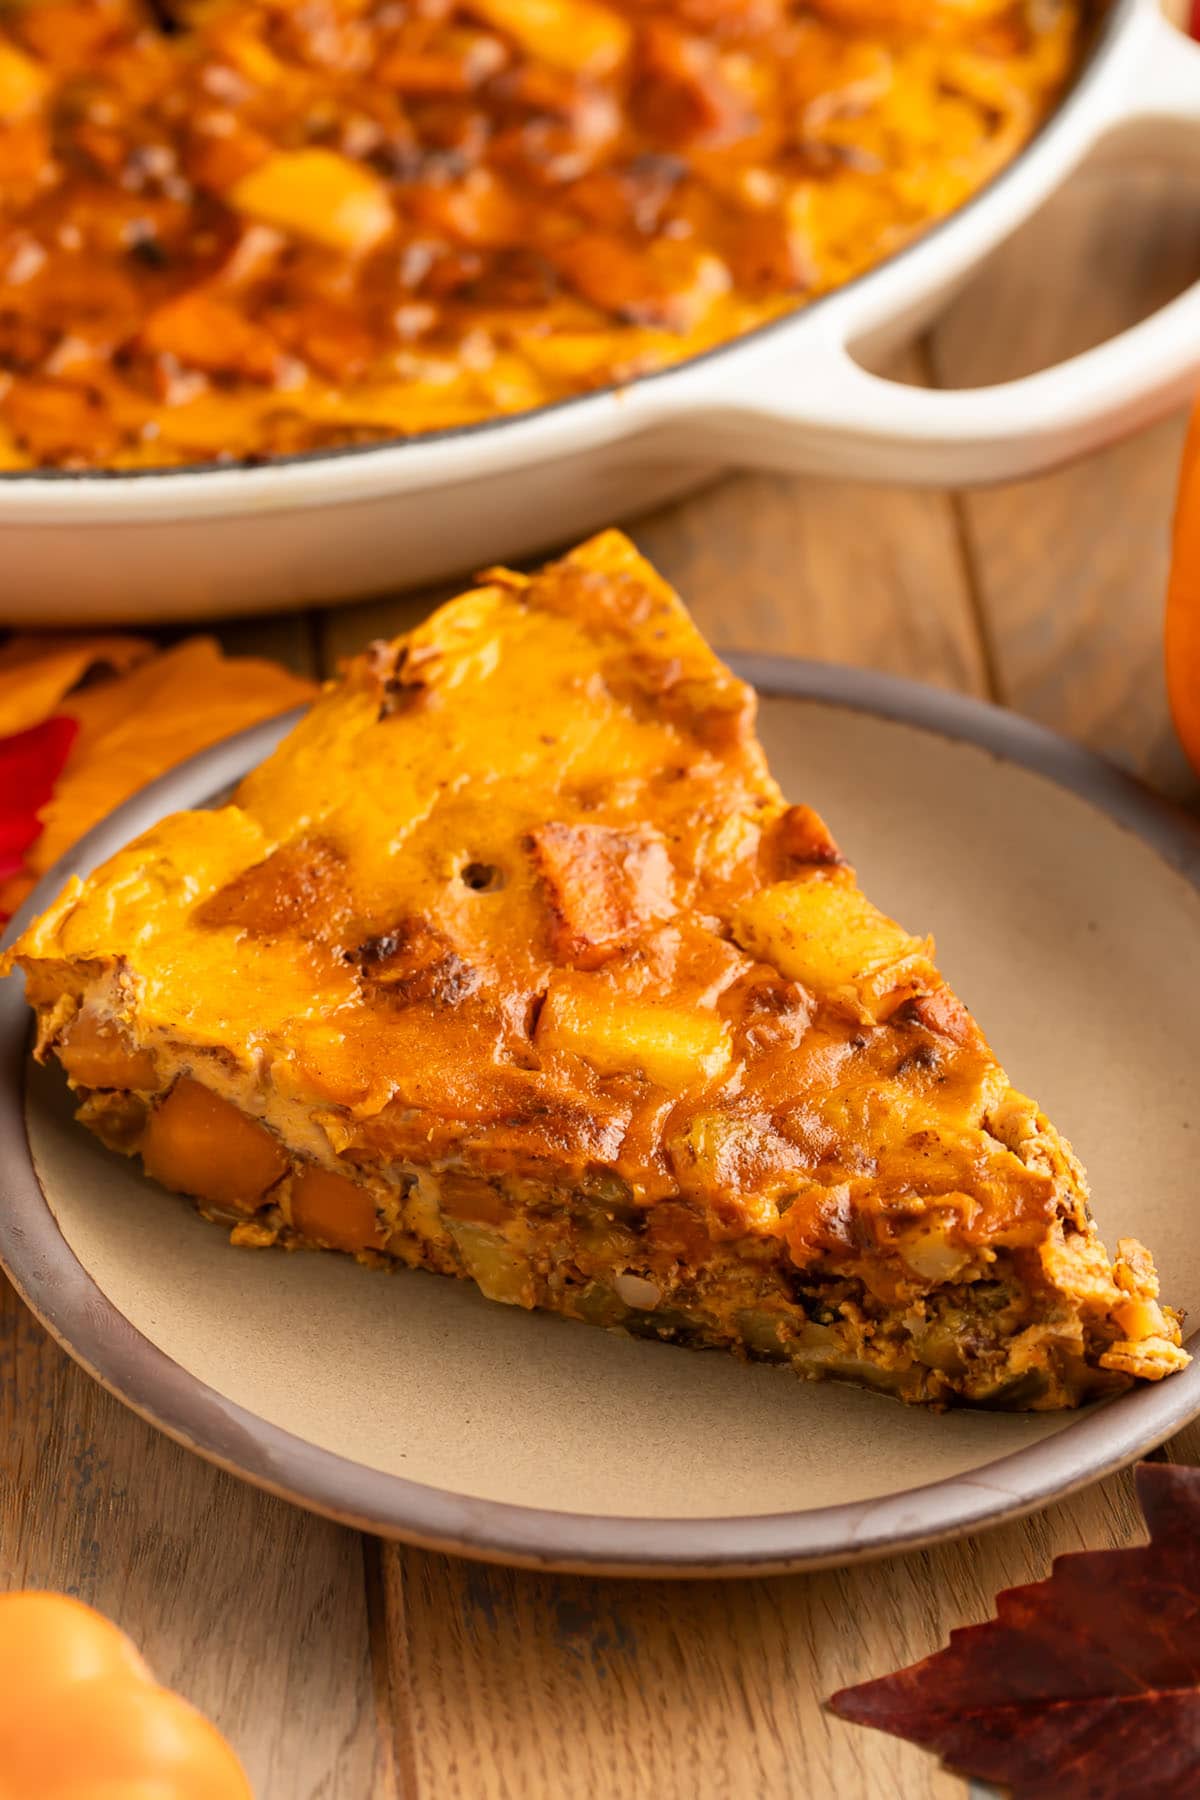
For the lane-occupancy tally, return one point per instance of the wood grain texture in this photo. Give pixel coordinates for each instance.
(833, 570)
(520, 1684)
(254, 1610)
(290, 638)
(1070, 569)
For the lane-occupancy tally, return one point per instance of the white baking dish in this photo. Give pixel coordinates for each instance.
(792, 396)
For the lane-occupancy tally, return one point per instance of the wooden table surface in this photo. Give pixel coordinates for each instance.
(341, 1666)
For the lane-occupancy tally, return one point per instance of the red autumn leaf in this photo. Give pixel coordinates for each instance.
(1085, 1686)
(30, 764)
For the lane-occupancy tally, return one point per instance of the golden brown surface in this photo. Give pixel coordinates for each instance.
(515, 937)
(235, 229)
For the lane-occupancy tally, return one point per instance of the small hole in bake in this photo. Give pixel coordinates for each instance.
(483, 878)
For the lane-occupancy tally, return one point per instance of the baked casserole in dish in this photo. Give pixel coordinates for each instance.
(232, 229)
(512, 963)
(102, 520)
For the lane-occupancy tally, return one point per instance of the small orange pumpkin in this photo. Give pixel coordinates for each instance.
(82, 1718)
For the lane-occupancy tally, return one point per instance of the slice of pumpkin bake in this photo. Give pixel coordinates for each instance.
(512, 963)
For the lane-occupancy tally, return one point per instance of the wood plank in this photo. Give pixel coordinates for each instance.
(289, 638)
(345, 630)
(527, 1685)
(768, 562)
(832, 570)
(255, 1610)
(1070, 568)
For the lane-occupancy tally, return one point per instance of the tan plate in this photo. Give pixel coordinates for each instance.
(1066, 905)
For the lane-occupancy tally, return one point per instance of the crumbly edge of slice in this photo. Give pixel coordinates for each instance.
(1031, 1328)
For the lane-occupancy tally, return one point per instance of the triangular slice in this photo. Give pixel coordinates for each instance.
(512, 963)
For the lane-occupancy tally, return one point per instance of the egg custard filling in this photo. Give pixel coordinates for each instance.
(513, 963)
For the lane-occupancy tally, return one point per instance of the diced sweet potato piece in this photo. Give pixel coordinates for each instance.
(68, 34)
(244, 50)
(332, 339)
(769, 249)
(95, 1055)
(317, 194)
(25, 161)
(199, 1144)
(685, 98)
(333, 1211)
(908, 15)
(668, 283)
(222, 149)
(57, 424)
(600, 885)
(301, 888)
(619, 1035)
(628, 193)
(471, 1199)
(479, 209)
(22, 83)
(423, 75)
(570, 34)
(204, 333)
(461, 60)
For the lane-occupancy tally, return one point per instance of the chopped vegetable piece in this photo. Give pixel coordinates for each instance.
(320, 195)
(617, 1035)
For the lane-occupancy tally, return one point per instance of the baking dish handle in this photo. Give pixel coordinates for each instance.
(830, 415)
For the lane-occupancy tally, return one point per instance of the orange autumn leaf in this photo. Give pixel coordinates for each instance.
(38, 669)
(134, 725)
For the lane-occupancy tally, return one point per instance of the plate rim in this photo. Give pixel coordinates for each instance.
(67, 1301)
